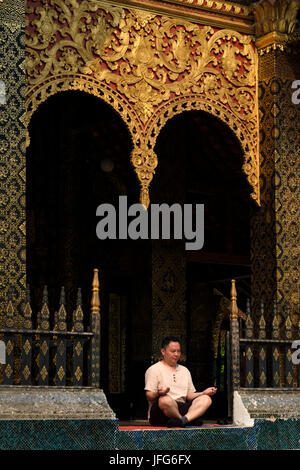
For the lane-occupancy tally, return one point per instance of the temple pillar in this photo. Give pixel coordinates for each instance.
(12, 155)
(169, 256)
(168, 294)
(275, 233)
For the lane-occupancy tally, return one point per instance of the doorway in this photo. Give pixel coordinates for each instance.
(79, 158)
(200, 162)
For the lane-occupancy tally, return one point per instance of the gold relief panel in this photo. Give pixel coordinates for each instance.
(148, 68)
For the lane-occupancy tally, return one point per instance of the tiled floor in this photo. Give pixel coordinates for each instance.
(277, 434)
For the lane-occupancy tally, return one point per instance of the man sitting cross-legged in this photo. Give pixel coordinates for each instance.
(172, 397)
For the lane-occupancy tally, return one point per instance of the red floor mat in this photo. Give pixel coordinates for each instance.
(130, 428)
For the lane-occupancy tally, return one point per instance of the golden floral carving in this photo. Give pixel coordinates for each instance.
(144, 162)
(148, 68)
(82, 27)
(152, 59)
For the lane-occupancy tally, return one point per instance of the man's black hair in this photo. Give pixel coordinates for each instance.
(169, 339)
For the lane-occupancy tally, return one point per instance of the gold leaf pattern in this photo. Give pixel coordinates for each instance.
(262, 354)
(276, 354)
(8, 371)
(27, 347)
(263, 378)
(60, 373)
(44, 348)
(43, 373)
(149, 68)
(78, 374)
(289, 378)
(249, 354)
(249, 378)
(9, 347)
(276, 378)
(26, 372)
(78, 348)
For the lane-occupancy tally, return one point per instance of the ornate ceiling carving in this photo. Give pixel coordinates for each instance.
(148, 68)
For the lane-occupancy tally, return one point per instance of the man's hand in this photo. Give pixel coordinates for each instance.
(163, 391)
(209, 391)
(152, 396)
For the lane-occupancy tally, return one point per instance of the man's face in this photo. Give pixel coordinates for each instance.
(171, 353)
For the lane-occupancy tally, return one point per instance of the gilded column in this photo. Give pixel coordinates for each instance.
(275, 236)
(12, 154)
(169, 256)
(234, 339)
(95, 326)
(168, 294)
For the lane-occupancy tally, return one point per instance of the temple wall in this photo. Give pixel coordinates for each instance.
(12, 154)
(275, 236)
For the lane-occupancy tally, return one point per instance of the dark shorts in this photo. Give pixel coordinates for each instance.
(158, 418)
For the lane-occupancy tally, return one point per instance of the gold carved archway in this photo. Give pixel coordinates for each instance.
(148, 68)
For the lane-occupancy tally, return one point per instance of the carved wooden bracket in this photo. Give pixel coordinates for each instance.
(275, 22)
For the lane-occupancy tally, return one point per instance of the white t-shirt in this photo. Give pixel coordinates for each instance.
(161, 376)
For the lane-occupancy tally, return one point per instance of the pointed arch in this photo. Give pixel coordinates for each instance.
(238, 127)
(87, 84)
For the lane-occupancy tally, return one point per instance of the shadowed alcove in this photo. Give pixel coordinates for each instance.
(200, 162)
(79, 158)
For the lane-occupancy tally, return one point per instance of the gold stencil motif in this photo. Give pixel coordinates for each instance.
(77, 319)
(276, 377)
(276, 354)
(8, 371)
(27, 324)
(262, 354)
(12, 122)
(249, 378)
(62, 326)
(249, 354)
(45, 325)
(37, 360)
(61, 348)
(288, 327)
(9, 347)
(9, 323)
(61, 317)
(60, 373)
(263, 377)
(45, 313)
(78, 348)
(44, 373)
(78, 326)
(26, 372)
(275, 324)
(78, 374)
(27, 347)
(148, 68)
(44, 347)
